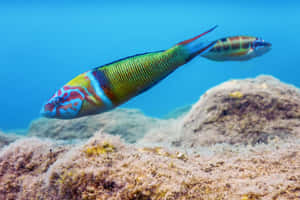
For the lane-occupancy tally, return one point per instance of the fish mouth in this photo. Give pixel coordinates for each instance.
(267, 44)
(261, 43)
(43, 113)
(47, 110)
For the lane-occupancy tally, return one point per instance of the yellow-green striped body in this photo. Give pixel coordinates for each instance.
(129, 77)
(104, 88)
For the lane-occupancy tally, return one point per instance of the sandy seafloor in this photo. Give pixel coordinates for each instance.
(241, 140)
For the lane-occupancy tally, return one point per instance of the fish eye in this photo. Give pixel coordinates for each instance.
(258, 43)
(57, 100)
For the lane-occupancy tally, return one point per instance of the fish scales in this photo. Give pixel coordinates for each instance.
(140, 72)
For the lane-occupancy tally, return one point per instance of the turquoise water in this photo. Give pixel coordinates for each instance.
(43, 46)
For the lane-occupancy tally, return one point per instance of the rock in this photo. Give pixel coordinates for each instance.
(178, 112)
(247, 111)
(24, 163)
(166, 133)
(7, 138)
(130, 124)
(106, 168)
(201, 163)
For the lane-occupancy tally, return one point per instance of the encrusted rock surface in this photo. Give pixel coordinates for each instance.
(240, 141)
(130, 124)
(246, 111)
(7, 138)
(106, 168)
(178, 112)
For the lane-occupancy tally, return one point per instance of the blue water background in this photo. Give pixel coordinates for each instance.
(43, 46)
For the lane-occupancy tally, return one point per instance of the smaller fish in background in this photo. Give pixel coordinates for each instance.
(237, 48)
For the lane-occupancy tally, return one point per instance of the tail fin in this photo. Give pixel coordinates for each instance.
(195, 46)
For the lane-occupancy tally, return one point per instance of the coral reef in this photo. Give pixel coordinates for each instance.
(130, 124)
(106, 168)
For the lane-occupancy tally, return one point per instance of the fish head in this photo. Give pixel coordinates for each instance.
(259, 47)
(66, 103)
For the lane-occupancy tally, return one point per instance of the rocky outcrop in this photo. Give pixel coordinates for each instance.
(7, 138)
(166, 134)
(106, 168)
(130, 124)
(198, 155)
(247, 111)
(178, 112)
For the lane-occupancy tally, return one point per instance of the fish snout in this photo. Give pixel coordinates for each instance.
(260, 47)
(260, 43)
(266, 44)
(48, 110)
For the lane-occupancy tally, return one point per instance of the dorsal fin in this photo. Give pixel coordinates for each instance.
(198, 36)
(140, 54)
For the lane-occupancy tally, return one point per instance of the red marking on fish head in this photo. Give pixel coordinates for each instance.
(65, 103)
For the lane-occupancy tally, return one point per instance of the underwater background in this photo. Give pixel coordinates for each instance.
(44, 45)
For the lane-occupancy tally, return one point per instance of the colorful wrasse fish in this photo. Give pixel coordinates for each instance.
(106, 87)
(237, 48)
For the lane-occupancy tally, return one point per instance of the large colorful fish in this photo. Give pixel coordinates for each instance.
(106, 87)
